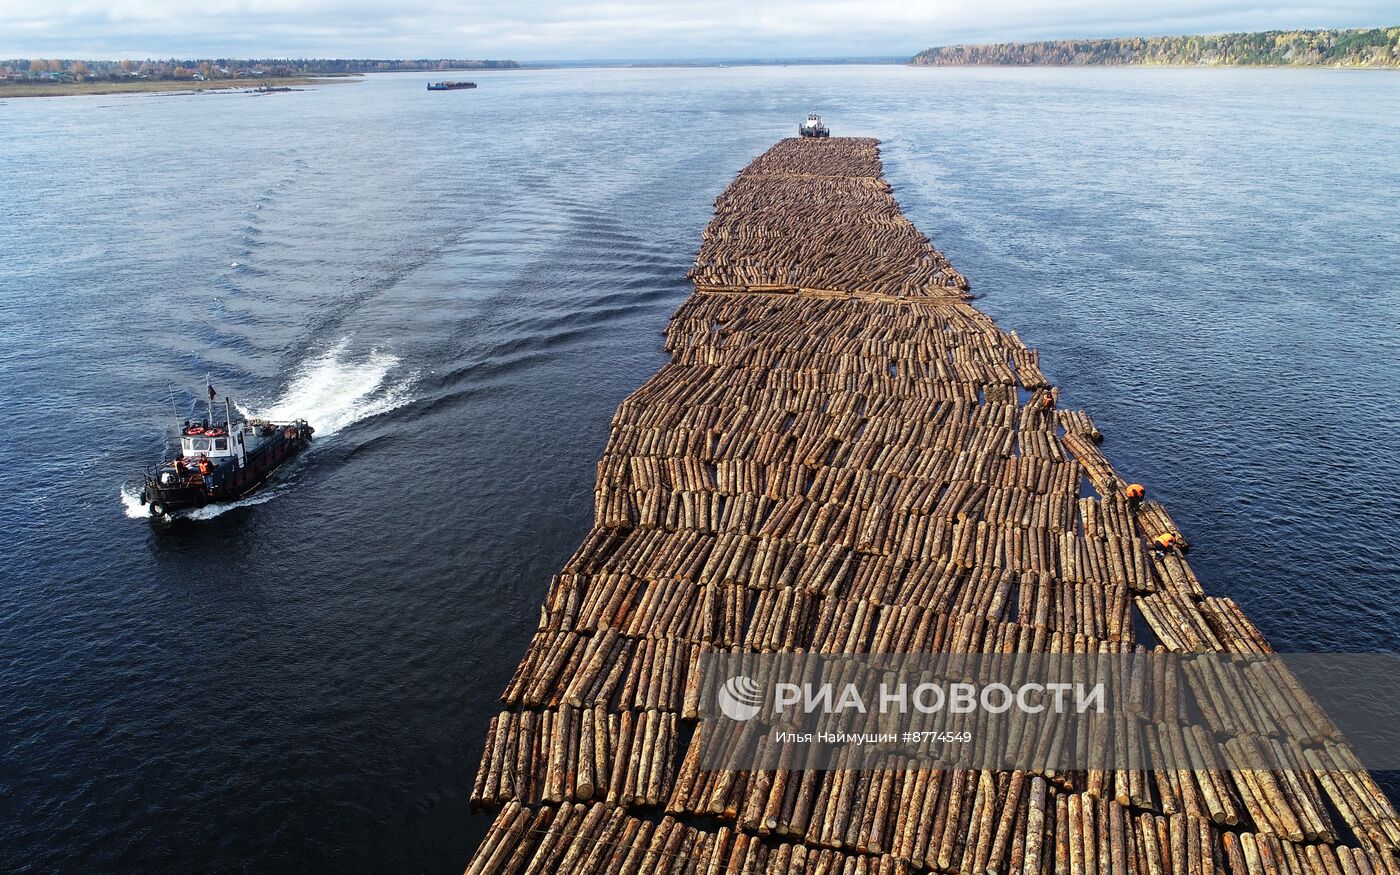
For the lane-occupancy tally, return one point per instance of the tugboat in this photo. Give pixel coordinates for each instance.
(449, 86)
(221, 460)
(813, 126)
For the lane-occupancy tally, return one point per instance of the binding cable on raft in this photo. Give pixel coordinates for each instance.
(838, 459)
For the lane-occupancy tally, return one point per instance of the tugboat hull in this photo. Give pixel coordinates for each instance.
(173, 488)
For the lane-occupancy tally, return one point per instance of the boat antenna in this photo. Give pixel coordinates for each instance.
(174, 411)
(209, 387)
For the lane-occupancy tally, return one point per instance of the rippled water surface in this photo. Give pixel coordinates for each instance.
(458, 288)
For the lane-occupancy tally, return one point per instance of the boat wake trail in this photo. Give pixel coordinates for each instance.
(333, 391)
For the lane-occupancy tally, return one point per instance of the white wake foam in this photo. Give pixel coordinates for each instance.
(131, 503)
(209, 511)
(332, 391)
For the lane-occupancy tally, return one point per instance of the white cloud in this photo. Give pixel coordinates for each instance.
(618, 29)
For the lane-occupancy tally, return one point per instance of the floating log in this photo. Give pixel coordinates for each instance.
(844, 456)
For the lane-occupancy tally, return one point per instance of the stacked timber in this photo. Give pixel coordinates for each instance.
(822, 222)
(842, 456)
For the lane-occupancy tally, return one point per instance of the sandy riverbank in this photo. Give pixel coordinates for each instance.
(61, 89)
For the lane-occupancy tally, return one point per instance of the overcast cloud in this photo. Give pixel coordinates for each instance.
(598, 29)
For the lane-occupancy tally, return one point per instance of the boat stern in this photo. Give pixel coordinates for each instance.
(165, 492)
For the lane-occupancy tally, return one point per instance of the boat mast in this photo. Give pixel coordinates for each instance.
(209, 390)
(174, 411)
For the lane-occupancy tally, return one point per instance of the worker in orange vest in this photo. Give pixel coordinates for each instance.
(1165, 542)
(1135, 493)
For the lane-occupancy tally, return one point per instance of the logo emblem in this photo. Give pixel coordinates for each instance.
(740, 698)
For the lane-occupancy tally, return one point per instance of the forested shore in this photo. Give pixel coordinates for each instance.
(1377, 47)
(54, 77)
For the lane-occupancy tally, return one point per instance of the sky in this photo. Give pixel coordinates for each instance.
(540, 30)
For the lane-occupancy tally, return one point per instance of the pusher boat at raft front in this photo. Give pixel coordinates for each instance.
(221, 461)
(813, 126)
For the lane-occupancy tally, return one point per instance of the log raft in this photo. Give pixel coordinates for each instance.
(844, 456)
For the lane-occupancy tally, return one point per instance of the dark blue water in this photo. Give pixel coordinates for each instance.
(458, 288)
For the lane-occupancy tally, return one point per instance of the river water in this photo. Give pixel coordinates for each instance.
(457, 289)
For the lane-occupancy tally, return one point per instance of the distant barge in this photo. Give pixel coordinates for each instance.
(449, 86)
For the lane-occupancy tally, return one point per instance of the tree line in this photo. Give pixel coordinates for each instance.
(66, 69)
(1377, 47)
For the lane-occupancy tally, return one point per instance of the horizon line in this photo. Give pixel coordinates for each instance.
(653, 61)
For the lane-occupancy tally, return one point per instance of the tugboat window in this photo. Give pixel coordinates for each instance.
(221, 443)
(200, 445)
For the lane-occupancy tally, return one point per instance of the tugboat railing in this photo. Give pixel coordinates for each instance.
(190, 478)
